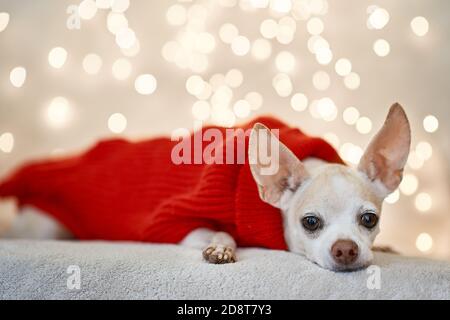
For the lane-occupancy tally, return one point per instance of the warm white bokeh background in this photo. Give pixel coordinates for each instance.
(415, 73)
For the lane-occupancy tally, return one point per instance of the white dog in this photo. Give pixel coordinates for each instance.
(330, 211)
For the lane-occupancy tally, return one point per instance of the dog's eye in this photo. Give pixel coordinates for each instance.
(369, 220)
(311, 223)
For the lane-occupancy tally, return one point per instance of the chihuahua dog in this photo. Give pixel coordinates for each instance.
(330, 212)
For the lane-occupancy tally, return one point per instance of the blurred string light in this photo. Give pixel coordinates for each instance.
(299, 102)
(350, 115)
(58, 113)
(430, 123)
(18, 76)
(424, 150)
(285, 62)
(240, 46)
(423, 202)
(145, 84)
(343, 67)
(364, 125)
(103, 4)
(381, 47)
(117, 123)
(255, 100)
(261, 49)
(121, 69)
(201, 110)
(282, 84)
(57, 57)
(87, 9)
(409, 184)
(420, 26)
(241, 108)
(321, 80)
(4, 20)
(352, 81)
(350, 152)
(378, 17)
(424, 242)
(92, 63)
(6, 142)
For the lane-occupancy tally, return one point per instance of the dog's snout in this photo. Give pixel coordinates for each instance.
(344, 252)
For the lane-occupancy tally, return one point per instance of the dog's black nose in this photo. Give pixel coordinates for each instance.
(344, 252)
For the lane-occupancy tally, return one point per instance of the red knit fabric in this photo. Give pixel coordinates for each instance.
(122, 190)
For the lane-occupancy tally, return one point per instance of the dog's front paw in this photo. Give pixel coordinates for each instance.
(219, 254)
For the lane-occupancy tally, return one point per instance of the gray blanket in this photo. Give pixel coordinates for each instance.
(107, 270)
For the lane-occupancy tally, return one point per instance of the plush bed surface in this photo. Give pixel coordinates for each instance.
(38, 270)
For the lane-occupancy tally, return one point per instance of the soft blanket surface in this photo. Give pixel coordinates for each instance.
(38, 270)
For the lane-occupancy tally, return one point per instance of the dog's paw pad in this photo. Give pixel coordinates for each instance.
(219, 254)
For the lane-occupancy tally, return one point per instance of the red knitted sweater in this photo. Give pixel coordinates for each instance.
(121, 190)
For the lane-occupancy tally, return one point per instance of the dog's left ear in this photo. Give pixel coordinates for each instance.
(274, 167)
(386, 154)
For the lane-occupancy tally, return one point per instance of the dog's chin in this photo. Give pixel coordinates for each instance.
(345, 268)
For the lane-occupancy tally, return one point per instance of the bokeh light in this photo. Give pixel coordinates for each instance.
(409, 184)
(121, 69)
(59, 113)
(117, 123)
(57, 57)
(381, 47)
(145, 84)
(424, 242)
(420, 26)
(423, 202)
(430, 123)
(92, 63)
(299, 102)
(4, 20)
(6, 142)
(17, 76)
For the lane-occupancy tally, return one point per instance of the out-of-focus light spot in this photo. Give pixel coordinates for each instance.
(223, 117)
(103, 4)
(120, 6)
(317, 44)
(4, 20)
(350, 152)
(409, 184)
(321, 80)
(393, 197)
(87, 9)
(381, 47)
(240, 46)
(18, 76)
(58, 113)
(228, 32)
(269, 28)
(315, 26)
(198, 63)
(176, 15)
(423, 202)
(57, 57)
(133, 50)
(352, 81)
(125, 38)
(234, 78)
(379, 18)
(313, 110)
(285, 34)
(324, 55)
(285, 62)
(424, 150)
(327, 109)
(226, 3)
(420, 26)
(430, 123)
(332, 139)
(364, 125)
(195, 85)
(205, 93)
(301, 10)
(415, 161)
(424, 242)
(222, 96)
(117, 123)
(282, 84)
(216, 81)
(261, 49)
(350, 115)
(92, 63)
(299, 102)
(116, 22)
(241, 109)
(205, 43)
(145, 84)
(254, 99)
(169, 50)
(121, 69)
(201, 110)
(343, 67)
(6, 142)
(281, 6)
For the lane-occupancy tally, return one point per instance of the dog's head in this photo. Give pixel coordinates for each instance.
(331, 212)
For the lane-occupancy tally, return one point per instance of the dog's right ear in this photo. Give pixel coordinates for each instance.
(274, 167)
